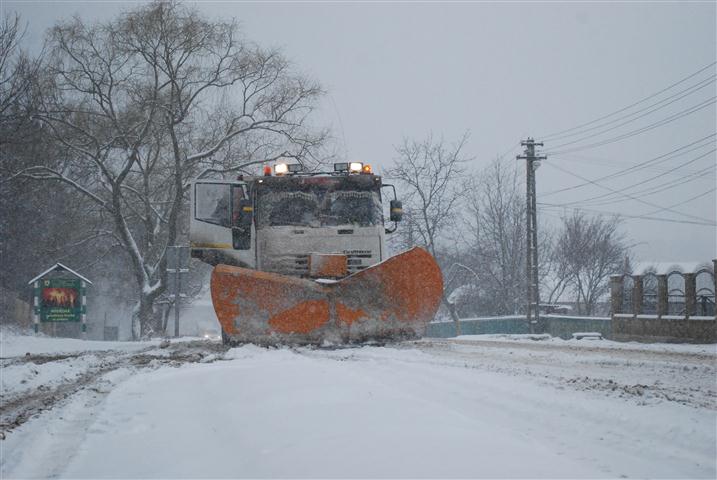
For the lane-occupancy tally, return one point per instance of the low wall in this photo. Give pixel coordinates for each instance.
(479, 326)
(555, 325)
(623, 327)
(666, 328)
(564, 326)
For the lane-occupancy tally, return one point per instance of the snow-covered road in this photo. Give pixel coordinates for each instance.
(469, 407)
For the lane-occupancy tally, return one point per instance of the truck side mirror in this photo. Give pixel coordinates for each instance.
(396, 210)
(244, 217)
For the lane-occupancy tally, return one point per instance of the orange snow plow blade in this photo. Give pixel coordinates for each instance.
(392, 300)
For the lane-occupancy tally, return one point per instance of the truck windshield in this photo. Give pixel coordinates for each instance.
(319, 207)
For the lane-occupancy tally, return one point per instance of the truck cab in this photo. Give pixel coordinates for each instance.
(288, 221)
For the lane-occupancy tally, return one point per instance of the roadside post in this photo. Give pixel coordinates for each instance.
(177, 265)
(36, 306)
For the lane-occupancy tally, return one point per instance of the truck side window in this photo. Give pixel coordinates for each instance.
(212, 202)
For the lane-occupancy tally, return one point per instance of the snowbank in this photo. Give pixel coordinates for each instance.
(13, 344)
(709, 349)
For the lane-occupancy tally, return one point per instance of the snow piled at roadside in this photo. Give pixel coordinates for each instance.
(709, 349)
(25, 377)
(13, 344)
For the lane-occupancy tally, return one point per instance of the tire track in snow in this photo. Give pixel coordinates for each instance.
(18, 408)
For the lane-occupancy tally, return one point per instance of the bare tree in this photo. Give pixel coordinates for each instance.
(555, 271)
(429, 174)
(17, 71)
(494, 222)
(593, 248)
(22, 251)
(147, 101)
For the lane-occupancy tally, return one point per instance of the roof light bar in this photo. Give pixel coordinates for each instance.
(352, 167)
(281, 168)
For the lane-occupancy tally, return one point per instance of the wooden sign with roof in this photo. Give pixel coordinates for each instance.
(59, 296)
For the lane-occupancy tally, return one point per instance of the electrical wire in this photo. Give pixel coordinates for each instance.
(674, 98)
(605, 195)
(642, 217)
(509, 151)
(685, 201)
(646, 113)
(631, 197)
(669, 87)
(650, 162)
(688, 111)
(608, 163)
(654, 190)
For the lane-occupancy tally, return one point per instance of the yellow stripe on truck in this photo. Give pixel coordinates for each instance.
(210, 245)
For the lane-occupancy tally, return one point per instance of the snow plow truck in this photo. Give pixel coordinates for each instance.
(300, 258)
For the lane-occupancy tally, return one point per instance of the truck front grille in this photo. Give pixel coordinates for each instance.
(298, 264)
(358, 260)
(288, 264)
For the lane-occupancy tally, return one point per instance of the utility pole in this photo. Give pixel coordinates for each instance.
(533, 290)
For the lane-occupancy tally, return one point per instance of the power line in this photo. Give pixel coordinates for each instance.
(659, 123)
(608, 163)
(605, 195)
(641, 217)
(655, 189)
(509, 151)
(686, 201)
(632, 104)
(674, 98)
(629, 196)
(652, 161)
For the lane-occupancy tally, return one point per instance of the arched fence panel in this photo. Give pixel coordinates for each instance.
(675, 294)
(628, 290)
(649, 294)
(705, 293)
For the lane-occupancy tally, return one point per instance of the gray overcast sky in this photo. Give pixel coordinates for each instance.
(502, 71)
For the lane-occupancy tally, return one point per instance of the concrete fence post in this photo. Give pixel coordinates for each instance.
(714, 279)
(615, 294)
(690, 294)
(662, 295)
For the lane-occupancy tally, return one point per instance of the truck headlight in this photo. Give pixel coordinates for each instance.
(355, 167)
